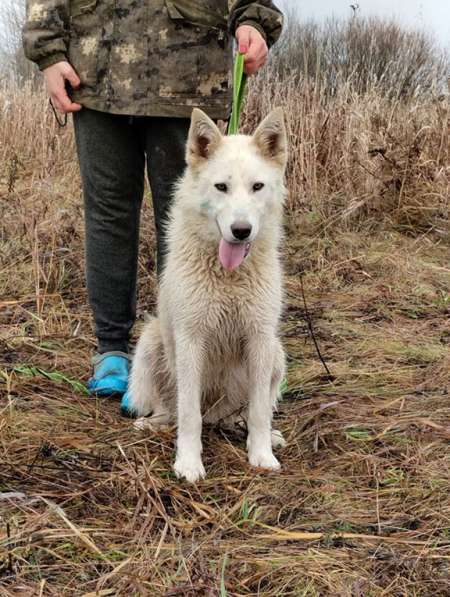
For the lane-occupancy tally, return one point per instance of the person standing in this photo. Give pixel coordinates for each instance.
(131, 71)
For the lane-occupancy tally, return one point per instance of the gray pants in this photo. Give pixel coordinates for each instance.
(113, 152)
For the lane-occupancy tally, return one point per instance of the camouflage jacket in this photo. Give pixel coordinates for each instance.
(146, 57)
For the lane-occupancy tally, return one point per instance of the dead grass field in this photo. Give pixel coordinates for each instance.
(362, 505)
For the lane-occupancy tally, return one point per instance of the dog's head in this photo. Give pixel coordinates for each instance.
(236, 182)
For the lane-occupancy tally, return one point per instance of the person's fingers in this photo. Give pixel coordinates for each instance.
(256, 55)
(56, 78)
(63, 103)
(252, 66)
(254, 46)
(72, 77)
(258, 59)
(74, 107)
(252, 69)
(244, 39)
(260, 49)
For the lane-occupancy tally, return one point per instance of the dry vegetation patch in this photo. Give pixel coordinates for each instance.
(362, 504)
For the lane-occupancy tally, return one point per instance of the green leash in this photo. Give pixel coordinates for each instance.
(239, 84)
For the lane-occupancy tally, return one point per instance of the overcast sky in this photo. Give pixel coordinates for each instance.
(433, 15)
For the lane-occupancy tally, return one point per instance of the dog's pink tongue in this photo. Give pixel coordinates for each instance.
(231, 255)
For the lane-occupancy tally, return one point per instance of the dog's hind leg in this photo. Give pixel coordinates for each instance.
(232, 410)
(231, 405)
(278, 373)
(277, 439)
(146, 371)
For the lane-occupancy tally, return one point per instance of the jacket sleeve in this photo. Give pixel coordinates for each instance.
(46, 30)
(263, 15)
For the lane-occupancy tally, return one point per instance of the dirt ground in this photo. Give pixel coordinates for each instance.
(90, 506)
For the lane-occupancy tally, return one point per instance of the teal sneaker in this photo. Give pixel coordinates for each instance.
(111, 371)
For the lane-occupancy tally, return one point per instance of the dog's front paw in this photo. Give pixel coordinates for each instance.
(265, 460)
(190, 468)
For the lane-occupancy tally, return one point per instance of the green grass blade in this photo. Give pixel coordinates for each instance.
(55, 376)
(223, 589)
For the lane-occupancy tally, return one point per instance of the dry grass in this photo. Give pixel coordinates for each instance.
(365, 52)
(362, 505)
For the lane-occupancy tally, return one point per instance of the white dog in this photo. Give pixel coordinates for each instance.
(214, 345)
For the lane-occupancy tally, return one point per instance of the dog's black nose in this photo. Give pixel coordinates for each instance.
(241, 230)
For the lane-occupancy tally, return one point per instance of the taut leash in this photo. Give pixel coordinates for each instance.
(239, 85)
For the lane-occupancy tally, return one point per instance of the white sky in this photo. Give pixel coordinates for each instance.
(433, 15)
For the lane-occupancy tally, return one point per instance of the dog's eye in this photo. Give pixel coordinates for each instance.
(222, 187)
(258, 186)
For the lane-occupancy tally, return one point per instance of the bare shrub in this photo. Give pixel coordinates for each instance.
(369, 131)
(364, 53)
(360, 160)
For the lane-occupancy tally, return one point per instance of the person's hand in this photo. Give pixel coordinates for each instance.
(253, 45)
(55, 80)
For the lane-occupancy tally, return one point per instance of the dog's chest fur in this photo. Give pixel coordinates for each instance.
(222, 308)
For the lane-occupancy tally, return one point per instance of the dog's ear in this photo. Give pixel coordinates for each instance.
(204, 138)
(271, 137)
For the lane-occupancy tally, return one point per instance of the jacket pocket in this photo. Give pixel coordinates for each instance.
(203, 13)
(80, 7)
